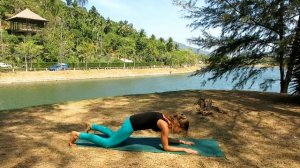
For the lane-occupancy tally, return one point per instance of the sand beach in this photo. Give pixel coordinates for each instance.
(257, 129)
(44, 76)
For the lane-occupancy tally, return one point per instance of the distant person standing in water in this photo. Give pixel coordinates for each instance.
(148, 120)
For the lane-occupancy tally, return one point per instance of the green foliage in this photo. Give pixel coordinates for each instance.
(184, 58)
(251, 30)
(81, 38)
(29, 51)
(170, 45)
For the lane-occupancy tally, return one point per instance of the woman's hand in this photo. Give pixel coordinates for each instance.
(163, 125)
(187, 142)
(190, 151)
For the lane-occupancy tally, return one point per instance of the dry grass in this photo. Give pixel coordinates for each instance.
(259, 130)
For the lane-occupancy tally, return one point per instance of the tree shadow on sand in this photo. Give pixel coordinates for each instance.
(230, 129)
(259, 129)
(241, 130)
(26, 134)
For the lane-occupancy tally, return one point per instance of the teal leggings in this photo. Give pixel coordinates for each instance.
(114, 137)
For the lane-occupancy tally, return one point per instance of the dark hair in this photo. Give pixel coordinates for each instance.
(182, 121)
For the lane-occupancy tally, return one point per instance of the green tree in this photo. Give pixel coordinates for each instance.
(161, 46)
(153, 37)
(108, 26)
(85, 51)
(76, 35)
(142, 33)
(151, 52)
(126, 49)
(140, 47)
(170, 45)
(161, 40)
(251, 30)
(96, 22)
(124, 29)
(94, 17)
(29, 50)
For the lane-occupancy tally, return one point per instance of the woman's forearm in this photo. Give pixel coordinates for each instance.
(174, 141)
(174, 149)
(178, 149)
(179, 141)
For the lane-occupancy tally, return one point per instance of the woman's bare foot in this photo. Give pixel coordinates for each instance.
(73, 137)
(88, 127)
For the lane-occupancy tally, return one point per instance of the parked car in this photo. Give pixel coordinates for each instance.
(4, 65)
(58, 67)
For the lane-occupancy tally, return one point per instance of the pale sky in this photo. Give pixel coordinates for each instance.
(158, 17)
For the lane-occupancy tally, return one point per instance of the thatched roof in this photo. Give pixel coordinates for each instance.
(27, 14)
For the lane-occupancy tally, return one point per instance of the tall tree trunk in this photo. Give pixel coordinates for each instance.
(284, 83)
(286, 79)
(294, 53)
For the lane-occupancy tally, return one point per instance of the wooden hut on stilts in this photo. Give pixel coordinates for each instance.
(26, 23)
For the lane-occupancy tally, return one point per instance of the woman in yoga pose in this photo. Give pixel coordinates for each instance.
(141, 121)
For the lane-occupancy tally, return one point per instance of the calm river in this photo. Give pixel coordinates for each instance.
(15, 96)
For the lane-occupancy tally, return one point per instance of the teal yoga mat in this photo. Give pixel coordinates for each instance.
(205, 147)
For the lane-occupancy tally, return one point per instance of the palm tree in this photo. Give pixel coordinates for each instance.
(162, 40)
(108, 26)
(79, 2)
(142, 33)
(82, 2)
(170, 44)
(153, 37)
(69, 2)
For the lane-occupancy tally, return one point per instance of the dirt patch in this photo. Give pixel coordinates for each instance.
(258, 130)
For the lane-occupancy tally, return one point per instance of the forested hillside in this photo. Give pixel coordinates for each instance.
(83, 38)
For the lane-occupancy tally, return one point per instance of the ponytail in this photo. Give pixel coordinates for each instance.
(182, 120)
(179, 120)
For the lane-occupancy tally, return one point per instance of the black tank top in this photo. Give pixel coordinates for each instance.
(146, 120)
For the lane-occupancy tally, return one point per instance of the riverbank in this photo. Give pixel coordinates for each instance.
(42, 76)
(258, 130)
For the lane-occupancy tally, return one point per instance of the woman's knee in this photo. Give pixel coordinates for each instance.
(108, 144)
(112, 142)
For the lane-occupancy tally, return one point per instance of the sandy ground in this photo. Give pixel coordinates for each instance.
(259, 130)
(41, 76)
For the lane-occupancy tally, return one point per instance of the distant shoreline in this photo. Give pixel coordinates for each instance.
(44, 76)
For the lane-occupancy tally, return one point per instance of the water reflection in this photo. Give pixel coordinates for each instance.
(25, 95)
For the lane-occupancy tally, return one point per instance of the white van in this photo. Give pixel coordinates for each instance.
(4, 65)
